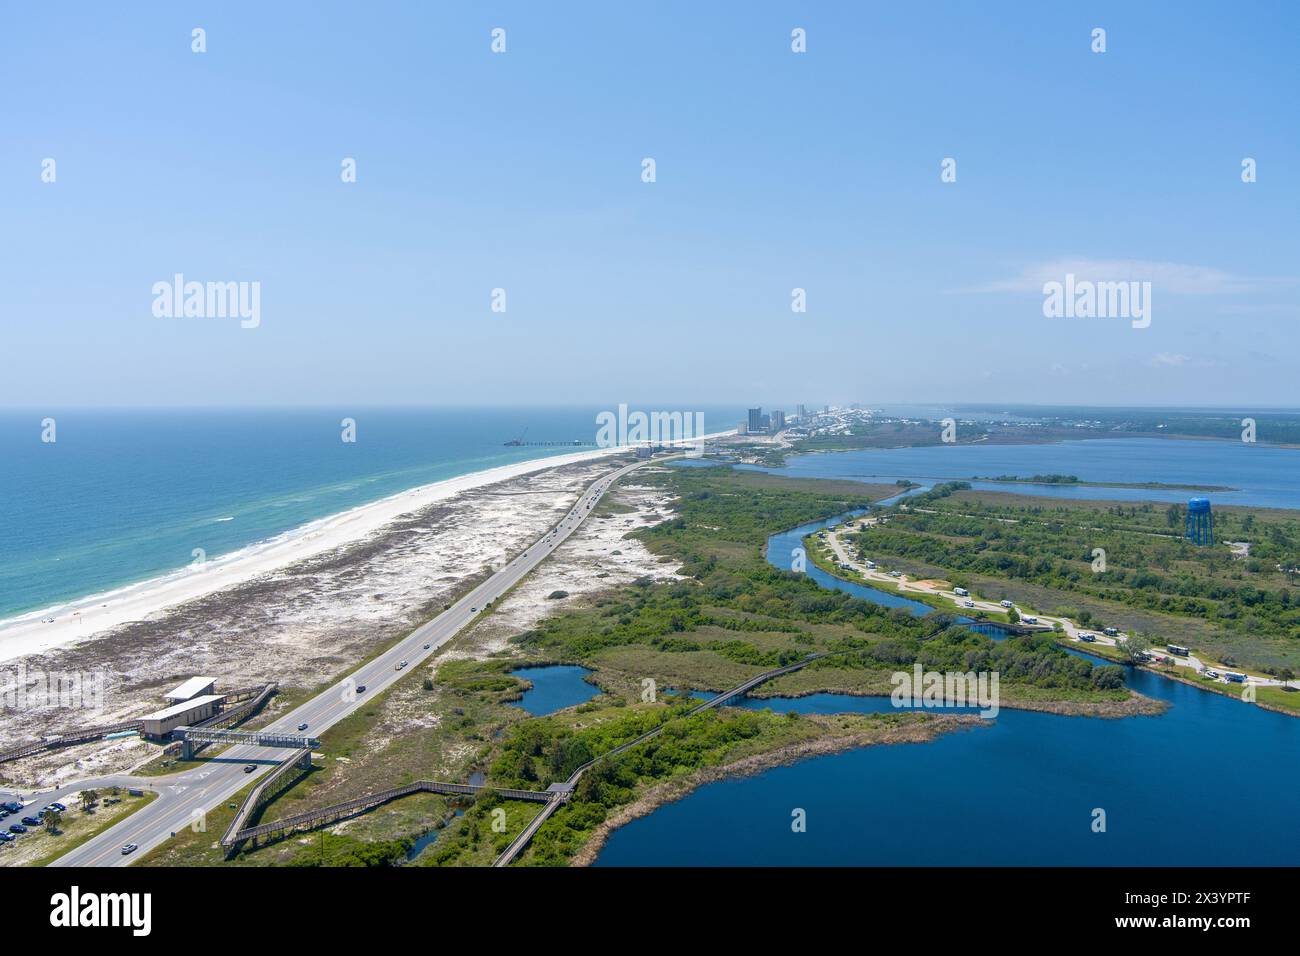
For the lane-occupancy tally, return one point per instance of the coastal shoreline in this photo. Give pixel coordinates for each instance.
(87, 617)
(1136, 705)
(674, 790)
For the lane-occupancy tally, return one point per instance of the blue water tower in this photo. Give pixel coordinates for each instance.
(1200, 522)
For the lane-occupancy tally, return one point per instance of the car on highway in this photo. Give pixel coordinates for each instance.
(399, 665)
(17, 828)
(130, 848)
(249, 767)
(473, 609)
(427, 645)
(303, 725)
(361, 688)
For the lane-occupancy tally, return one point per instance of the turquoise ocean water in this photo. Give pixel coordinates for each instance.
(123, 496)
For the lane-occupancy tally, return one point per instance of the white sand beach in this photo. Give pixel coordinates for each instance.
(41, 631)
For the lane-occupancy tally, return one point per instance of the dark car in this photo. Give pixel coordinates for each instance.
(17, 828)
(31, 821)
(249, 767)
(12, 807)
(303, 725)
(361, 688)
(6, 837)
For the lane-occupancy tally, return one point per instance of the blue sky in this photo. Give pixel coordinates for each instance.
(774, 171)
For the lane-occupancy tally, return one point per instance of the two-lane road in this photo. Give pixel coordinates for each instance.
(185, 797)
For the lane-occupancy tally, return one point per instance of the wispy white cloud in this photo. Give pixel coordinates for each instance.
(1169, 359)
(1174, 277)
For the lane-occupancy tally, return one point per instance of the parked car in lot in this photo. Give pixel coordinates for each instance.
(130, 848)
(17, 828)
(6, 837)
(32, 821)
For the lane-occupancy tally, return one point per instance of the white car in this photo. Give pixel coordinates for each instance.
(969, 603)
(399, 665)
(1006, 604)
(130, 848)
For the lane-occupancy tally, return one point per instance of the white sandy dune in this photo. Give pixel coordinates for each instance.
(35, 633)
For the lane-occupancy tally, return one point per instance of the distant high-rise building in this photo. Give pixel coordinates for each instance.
(755, 420)
(778, 420)
(803, 414)
(765, 423)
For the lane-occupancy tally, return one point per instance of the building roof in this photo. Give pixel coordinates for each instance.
(191, 688)
(183, 707)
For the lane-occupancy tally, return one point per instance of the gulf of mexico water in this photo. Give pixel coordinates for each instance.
(124, 496)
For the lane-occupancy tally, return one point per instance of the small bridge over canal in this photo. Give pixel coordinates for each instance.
(559, 793)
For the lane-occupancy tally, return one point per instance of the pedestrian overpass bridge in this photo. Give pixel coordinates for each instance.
(192, 736)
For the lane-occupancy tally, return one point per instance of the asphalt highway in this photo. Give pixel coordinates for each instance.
(184, 798)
